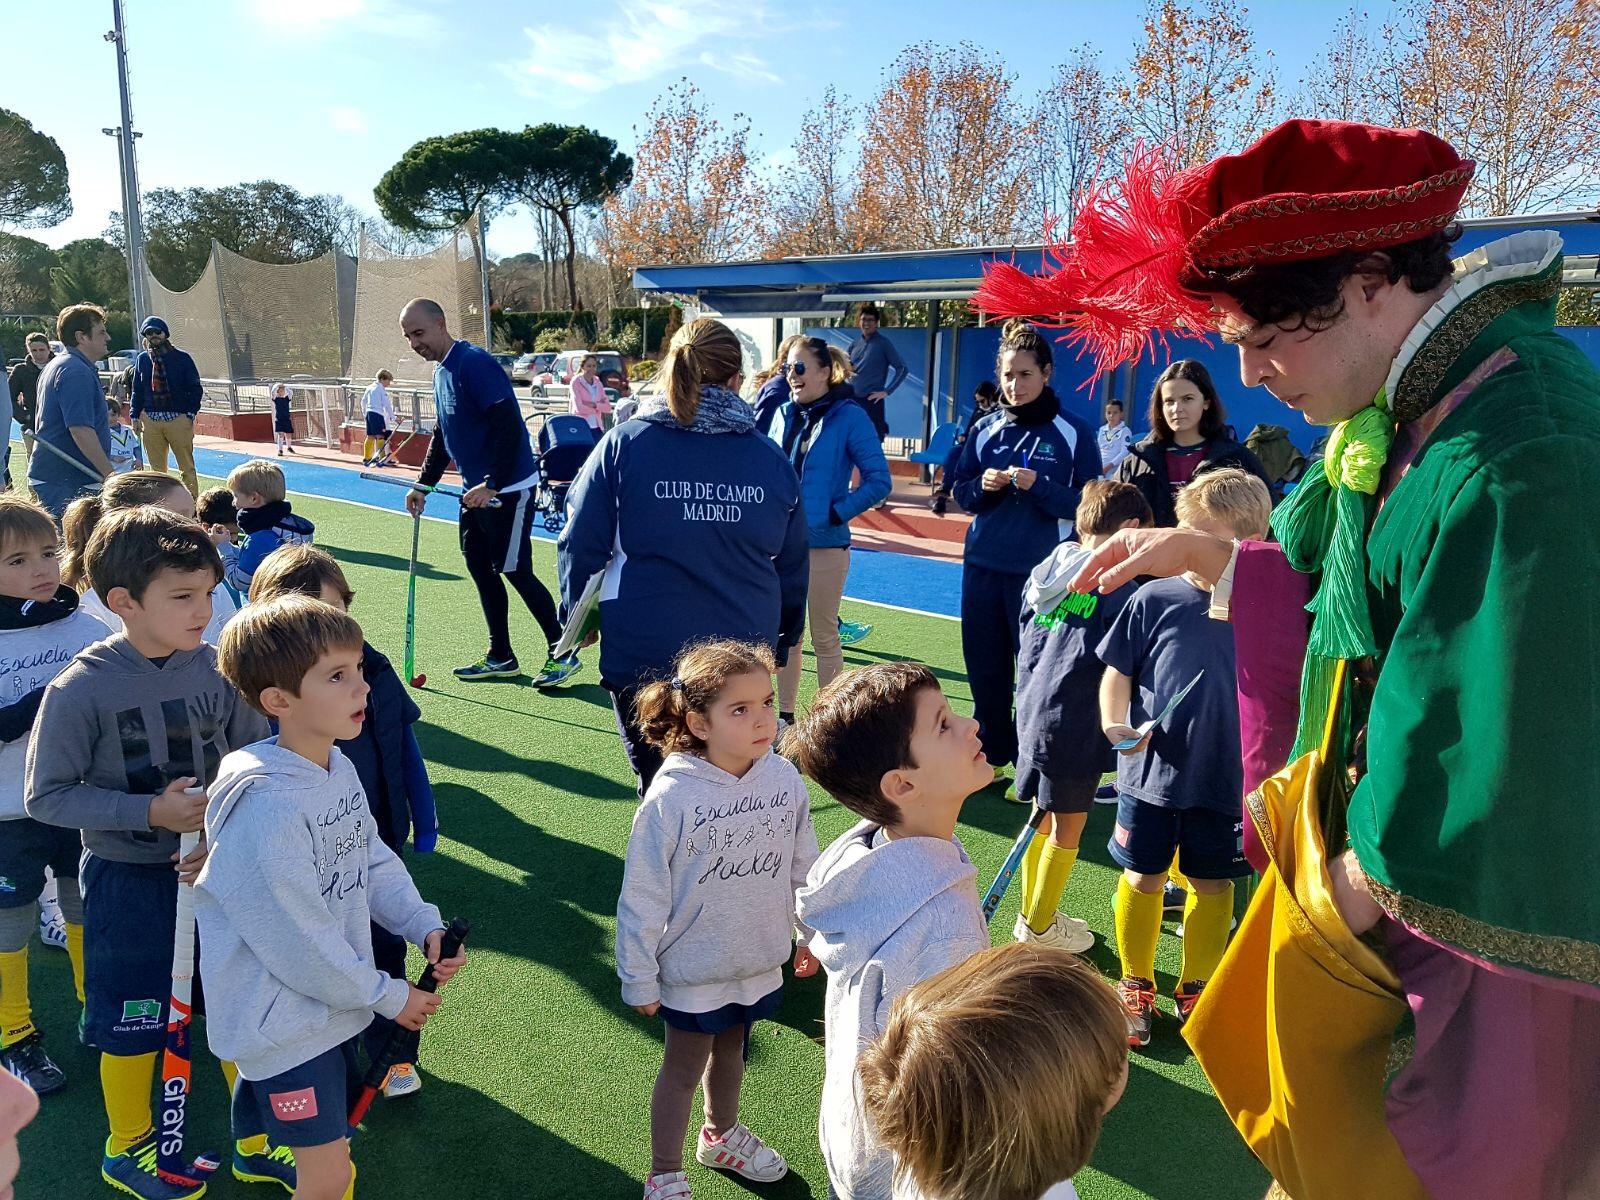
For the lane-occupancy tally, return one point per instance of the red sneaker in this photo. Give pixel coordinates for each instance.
(1138, 998)
(1186, 997)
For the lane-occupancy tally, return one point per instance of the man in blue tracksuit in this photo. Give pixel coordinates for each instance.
(876, 369)
(480, 426)
(1020, 475)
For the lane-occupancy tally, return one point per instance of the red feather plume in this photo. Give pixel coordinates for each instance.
(1114, 285)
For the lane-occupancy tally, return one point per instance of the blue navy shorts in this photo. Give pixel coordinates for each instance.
(129, 914)
(1209, 844)
(377, 425)
(27, 847)
(1055, 794)
(308, 1105)
(729, 1016)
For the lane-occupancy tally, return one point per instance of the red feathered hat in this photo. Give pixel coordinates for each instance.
(1144, 248)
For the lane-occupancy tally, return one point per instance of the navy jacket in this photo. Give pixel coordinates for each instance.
(701, 534)
(845, 442)
(1012, 529)
(774, 394)
(400, 799)
(183, 381)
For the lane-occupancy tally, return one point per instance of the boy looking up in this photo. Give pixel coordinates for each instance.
(1061, 752)
(893, 900)
(265, 517)
(284, 903)
(122, 733)
(41, 629)
(1181, 788)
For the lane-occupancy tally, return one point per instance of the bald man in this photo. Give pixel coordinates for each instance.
(480, 426)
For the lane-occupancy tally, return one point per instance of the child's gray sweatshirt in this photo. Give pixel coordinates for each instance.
(295, 876)
(706, 914)
(881, 916)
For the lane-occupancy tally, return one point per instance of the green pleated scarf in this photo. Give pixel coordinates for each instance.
(1323, 529)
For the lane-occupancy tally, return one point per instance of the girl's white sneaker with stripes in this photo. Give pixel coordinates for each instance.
(669, 1185)
(740, 1151)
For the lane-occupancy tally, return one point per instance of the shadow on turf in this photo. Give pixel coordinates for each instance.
(387, 562)
(443, 745)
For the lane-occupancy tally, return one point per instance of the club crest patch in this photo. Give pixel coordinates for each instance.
(294, 1106)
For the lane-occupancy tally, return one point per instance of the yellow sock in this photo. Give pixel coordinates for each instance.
(1030, 869)
(1178, 878)
(75, 954)
(1138, 917)
(16, 1013)
(1055, 867)
(125, 1081)
(350, 1192)
(230, 1072)
(253, 1145)
(1206, 918)
(366, 447)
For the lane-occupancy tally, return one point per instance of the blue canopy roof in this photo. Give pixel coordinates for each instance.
(823, 284)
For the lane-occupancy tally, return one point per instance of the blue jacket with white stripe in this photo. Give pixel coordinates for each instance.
(1014, 528)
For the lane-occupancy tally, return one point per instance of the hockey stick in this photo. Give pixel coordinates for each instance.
(412, 677)
(1002, 881)
(443, 489)
(392, 455)
(400, 1040)
(32, 441)
(175, 1067)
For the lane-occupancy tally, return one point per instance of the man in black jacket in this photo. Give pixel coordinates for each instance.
(25, 381)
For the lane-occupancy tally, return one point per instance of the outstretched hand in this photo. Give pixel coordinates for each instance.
(1162, 553)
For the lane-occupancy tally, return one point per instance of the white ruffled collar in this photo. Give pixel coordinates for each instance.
(1518, 256)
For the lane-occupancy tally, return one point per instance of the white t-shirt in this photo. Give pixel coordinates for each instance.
(1114, 445)
(376, 400)
(223, 609)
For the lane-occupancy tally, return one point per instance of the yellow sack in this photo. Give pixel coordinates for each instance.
(1294, 1029)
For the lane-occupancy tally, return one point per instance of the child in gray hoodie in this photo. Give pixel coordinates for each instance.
(893, 901)
(295, 875)
(705, 920)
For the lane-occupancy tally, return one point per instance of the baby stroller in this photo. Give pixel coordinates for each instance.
(563, 446)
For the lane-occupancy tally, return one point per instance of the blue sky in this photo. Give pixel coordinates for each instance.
(326, 94)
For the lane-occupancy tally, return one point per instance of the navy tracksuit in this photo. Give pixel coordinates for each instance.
(1012, 530)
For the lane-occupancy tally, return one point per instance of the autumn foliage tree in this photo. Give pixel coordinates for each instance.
(1077, 131)
(694, 197)
(1196, 81)
(812, 197)
(1510, 83)
(946, 154)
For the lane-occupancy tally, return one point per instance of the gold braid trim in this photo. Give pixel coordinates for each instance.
(1401, 1052)
(1415, 393)
(1566, 957)
(1276, 1192)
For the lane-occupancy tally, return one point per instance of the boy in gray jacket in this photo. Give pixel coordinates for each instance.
(893, 901)
(296, 874)
(122, 733)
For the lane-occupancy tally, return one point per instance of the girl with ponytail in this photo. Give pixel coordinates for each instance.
(705, 919)
(1020, 474)
(695, 519)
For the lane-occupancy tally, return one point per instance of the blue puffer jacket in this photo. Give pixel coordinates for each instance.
(844, 442)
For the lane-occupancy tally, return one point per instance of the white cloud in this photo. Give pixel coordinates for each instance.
(643, 40)
(346, 119)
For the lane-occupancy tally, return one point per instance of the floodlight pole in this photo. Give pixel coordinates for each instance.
(132, 223)
(483, 275)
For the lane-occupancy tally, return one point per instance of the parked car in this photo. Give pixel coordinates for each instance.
(613, 371)
(507, 363)
(529, 367)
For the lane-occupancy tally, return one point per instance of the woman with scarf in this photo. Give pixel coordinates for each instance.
(1189, 435)
(1020, 475)
(828, 438)
(696, 521)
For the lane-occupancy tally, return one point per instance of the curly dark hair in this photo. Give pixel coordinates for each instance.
(1305, 295)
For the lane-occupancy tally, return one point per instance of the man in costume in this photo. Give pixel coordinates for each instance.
(1451, 547)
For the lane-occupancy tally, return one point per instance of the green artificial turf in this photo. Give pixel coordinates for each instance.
(537, 1076)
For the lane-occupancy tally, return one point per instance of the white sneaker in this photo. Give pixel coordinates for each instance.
(1065, 933)
(740, 1151)
(403, 1080)
(669, 1185)
(52, 925)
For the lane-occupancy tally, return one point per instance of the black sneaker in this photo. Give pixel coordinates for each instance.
(939, 503)
(488, 668)
(28, 1062)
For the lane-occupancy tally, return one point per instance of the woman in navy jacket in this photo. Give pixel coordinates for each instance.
(828, 438)
(1020, 475)
(696, 520)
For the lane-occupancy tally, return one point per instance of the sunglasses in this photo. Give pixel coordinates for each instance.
(795, 368)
